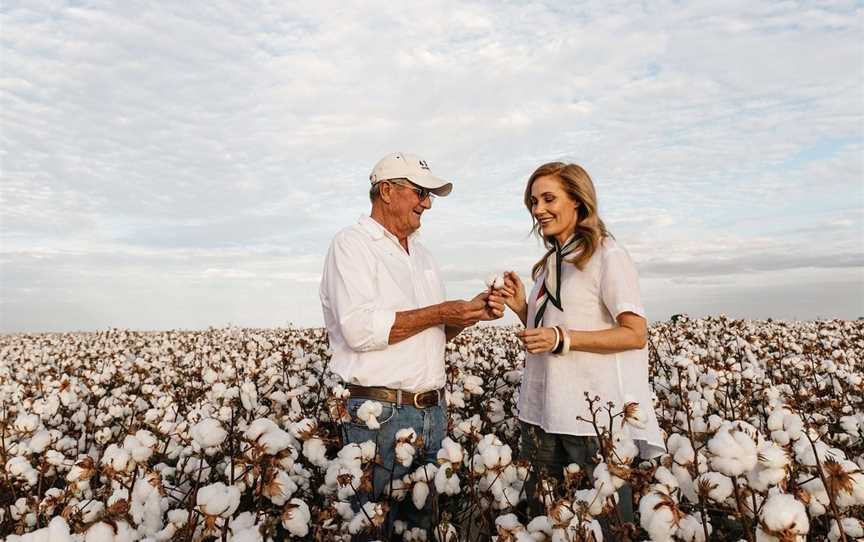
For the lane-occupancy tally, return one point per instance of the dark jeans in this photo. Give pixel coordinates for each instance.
(551, 452)
(430, 423)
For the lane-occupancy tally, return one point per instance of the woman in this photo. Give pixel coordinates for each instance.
(585, 328)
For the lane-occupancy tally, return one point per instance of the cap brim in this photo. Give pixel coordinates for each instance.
(437, 186)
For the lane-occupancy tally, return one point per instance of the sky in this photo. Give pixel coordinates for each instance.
(179, 165)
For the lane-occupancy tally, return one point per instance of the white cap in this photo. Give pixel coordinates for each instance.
(400, 165)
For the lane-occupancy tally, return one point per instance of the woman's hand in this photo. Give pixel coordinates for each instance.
(512, 295)
(538, 340)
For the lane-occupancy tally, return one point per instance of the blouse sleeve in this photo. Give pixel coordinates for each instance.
(619, 283)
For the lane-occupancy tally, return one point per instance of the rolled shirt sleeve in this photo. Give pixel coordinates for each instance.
(619, 283)
(351, 290)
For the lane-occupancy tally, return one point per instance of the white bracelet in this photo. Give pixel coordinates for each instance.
(557, 339)
(565, 336)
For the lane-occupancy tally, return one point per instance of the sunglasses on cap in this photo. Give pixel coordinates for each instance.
(422, 193)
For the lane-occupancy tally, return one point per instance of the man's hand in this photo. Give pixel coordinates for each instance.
(492, 308)
(467, 313)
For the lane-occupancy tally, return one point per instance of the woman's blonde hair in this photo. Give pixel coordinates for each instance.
(590, 230)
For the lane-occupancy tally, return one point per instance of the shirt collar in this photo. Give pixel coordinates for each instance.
(376, 231)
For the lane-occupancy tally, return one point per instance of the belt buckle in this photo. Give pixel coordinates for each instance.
(416, 395)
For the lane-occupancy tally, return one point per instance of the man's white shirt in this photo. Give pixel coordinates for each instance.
(368, 277)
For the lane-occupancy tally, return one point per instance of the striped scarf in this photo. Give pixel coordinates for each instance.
(550, 290)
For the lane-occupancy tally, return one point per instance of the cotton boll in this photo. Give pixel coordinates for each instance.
(585, 529)
(315, 451)
(472, 384)
(218, 500)
(623, 448)
(682, 451)
(591, 500)
(852, 527)
(369, 412)
(40, 441)
(419, 493)
(451, 451)
(404, 453)
(208, 433)
(690, 529)
(279, 488)
(243, 529)
(715, 486)
(445, 532)
(269, 436)
(372, 514)
(634, 415)
(666, 479)
(99, 532)
(20, 467)
(145, 507)
(540, 524)
(782, 514)
(26, 423)
(296, 517)
(495, 280)
(415, 534)
(733, 451)
(818, 496)
(659, 516)
(605, 482)
(446, 480)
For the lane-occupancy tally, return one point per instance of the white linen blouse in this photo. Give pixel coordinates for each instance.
(552, 394)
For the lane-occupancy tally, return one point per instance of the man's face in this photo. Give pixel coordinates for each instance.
(406, 206)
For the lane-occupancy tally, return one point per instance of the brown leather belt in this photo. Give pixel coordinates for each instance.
(418, 400)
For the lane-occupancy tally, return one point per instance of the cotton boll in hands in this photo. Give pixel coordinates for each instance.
(495, 281)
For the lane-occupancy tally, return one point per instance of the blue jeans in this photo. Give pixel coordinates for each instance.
(430, 423)
(551, 452)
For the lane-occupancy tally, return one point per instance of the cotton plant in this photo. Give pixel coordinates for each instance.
(162, 417)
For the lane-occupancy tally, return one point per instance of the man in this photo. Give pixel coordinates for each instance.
(387, 318)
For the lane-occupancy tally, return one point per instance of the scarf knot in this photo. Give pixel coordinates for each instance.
(550, 290)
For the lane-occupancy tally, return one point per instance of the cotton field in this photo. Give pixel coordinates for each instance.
(230, 434)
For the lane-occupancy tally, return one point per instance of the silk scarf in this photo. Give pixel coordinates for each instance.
(550, 290)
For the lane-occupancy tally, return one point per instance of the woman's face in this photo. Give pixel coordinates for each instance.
(553, 208)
